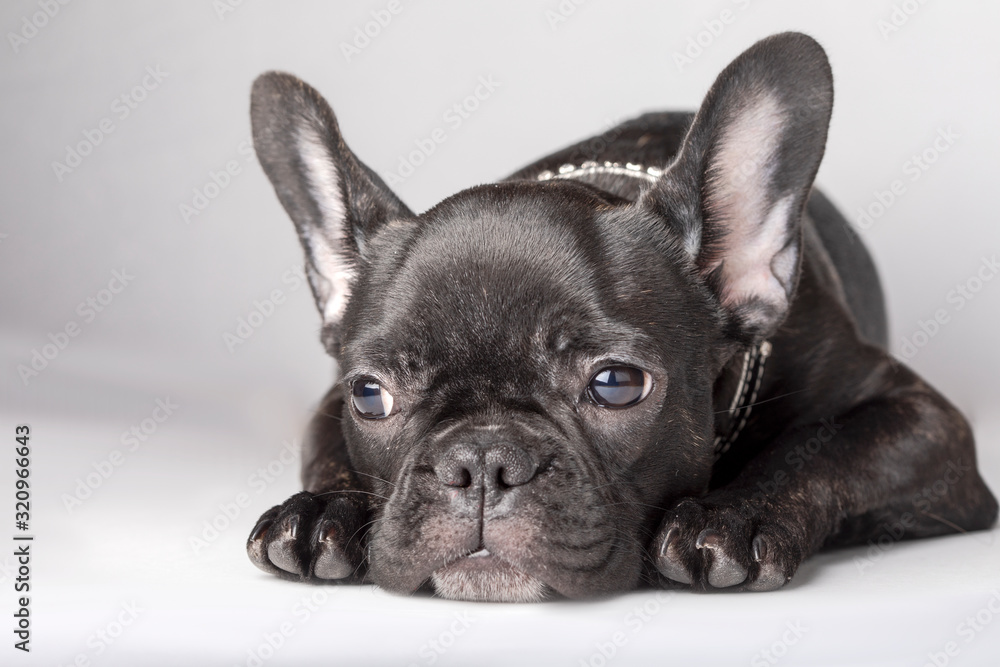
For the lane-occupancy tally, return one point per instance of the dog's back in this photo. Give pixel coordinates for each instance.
(619, 160)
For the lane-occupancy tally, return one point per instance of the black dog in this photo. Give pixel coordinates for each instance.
(654, 357)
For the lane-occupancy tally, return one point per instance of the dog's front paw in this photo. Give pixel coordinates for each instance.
(310, 537)
(734, 545)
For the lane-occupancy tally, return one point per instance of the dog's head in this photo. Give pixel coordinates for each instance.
(530, 365)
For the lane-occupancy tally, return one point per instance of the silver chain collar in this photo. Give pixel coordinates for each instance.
(745, 397)
(650, 174)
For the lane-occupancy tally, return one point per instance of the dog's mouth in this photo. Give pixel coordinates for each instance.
(482, 576)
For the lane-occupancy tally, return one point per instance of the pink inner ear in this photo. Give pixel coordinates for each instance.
(332, 278)
(756, 264)
(763, 265)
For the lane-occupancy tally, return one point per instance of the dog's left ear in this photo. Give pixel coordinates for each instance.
(737, 190)
(336, 202)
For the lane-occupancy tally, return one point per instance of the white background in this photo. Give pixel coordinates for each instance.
(560, 81)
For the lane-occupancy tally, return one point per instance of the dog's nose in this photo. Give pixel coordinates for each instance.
(496, 468)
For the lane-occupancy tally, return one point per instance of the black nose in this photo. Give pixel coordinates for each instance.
(495, 469)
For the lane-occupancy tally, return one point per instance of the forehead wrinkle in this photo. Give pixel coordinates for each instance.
(500, 240)
(496, 275)
(467, 309)
(485, 270)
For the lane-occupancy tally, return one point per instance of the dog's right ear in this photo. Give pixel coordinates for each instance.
(335, 201)
(738, 188)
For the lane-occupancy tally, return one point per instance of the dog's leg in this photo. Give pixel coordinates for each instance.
(900, 465)
(317, 534)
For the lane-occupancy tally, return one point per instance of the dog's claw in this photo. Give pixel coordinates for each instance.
(708, 539)
(257, 543)
(330, 561)
(759, 549)
(258, 531)
(282, 548)
(669, 562)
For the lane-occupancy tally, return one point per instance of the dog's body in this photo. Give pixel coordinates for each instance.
(654, 356)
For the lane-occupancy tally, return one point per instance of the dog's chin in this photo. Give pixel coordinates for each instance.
(482, 577)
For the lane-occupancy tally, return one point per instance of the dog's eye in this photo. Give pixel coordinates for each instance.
(371, 400)
(619, 386)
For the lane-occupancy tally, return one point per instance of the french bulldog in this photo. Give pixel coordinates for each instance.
(655, 358)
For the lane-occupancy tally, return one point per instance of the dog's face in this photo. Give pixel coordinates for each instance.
(530, 365)
(540, 391)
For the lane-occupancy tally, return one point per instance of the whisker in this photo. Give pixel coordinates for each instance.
(599, 486)
(377, 495)
(358, 472)
(370, 523)
(941, 519)
(767, 400)
(362, 562)
(335, 418)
